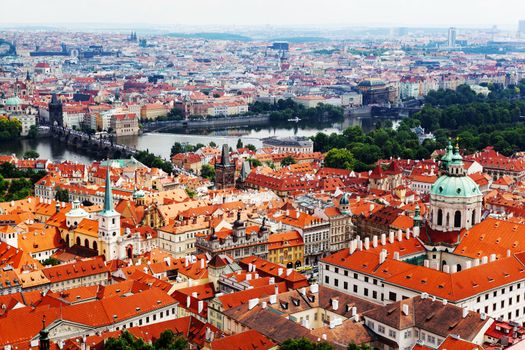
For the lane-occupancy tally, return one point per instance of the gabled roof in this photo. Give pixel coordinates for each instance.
(431, 316)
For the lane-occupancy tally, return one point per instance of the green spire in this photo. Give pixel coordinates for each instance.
(108, 196)
(447, 157)
(417, 216)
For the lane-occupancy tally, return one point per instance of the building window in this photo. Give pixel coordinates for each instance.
(381, 329)
(392, 296)
(326, 279)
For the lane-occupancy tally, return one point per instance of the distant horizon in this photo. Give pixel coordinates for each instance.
(472, 14)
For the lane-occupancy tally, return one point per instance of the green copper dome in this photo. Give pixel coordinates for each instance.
(344, 199)
(138, 194)
(13, 101)
(455, 186)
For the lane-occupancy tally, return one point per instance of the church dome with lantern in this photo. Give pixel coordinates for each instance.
(455, 199)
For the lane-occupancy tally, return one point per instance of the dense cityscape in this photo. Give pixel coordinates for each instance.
(351, 188)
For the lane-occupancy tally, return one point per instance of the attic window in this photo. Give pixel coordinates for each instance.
(429, 317)
(137, 309)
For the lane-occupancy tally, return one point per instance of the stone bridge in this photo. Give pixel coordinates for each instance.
(96, 145)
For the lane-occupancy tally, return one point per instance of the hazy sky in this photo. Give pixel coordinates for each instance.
(504, 13)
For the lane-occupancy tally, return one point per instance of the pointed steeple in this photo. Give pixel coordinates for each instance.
(108, 196)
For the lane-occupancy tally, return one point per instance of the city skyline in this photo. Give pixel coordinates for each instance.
(411, 13)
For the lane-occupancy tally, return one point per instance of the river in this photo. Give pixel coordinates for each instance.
(160, 143)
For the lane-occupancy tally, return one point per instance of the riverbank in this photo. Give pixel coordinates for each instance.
(210, 123)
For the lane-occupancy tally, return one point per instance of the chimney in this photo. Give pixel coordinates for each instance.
(475, 262)
(492, 257)
(382, 256)
(383, 239)
(264, 304)
(279, 271)
(391, 237)
(253, 303)
(372, 207)
(484, 260)
(399, 235)
(465, 312)
(360, 245)
(374, 241)
(302, 291)
(354, 311)
(324, 337)
(396, 255)
(426, 263)
(367, 243)
(446, 269)
(203, 264)
(424, 295)
(352, 247)
(314, 288)
(273, 299)
(195, 295)
(408, 234)
(200, 306)
(289, 272)
(508, 253)
(335, 303)
(188, 301)
(405, 309)
(248, 277)
(276, 290)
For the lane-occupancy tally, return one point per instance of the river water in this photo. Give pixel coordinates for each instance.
(160, 143)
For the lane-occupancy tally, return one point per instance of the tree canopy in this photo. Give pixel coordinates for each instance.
(166, 341)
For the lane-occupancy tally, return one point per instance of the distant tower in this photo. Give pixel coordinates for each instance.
(451, 42)
(344, 204)
(521, 29)
(55, 112)
(43, 338)
(109, 223)
(224, 171)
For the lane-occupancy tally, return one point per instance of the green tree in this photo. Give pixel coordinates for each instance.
(251, 147)
(31, 154)
(254, 162)
(288, 160)
(170, 341)
(208, 172)
(191, 193)
(304, 344)
(339, 158)
(62, 195)
(239, 144)
(33, 132)
(212, 144)
(50, 262)
(177, 148)
(354, 346)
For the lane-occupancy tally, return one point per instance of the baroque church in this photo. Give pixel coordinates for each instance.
(103, 233)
